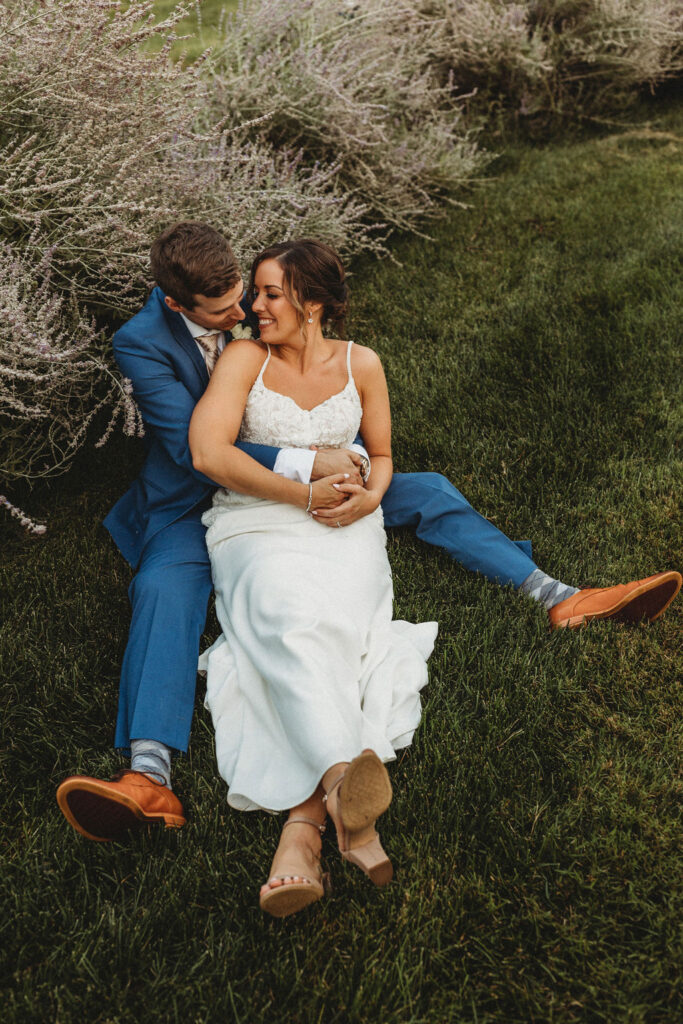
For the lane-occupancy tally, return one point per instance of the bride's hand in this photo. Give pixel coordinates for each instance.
(359, 502)
(325, 495)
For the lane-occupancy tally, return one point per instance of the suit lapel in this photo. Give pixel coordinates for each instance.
(186, 342)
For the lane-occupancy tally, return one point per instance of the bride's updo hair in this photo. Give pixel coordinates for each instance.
(312, 272)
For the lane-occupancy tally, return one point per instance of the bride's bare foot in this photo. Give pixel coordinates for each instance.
(356, 794)
(295, 876)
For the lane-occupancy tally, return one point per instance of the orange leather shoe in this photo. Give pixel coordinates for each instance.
(627, 602)
(109, 810)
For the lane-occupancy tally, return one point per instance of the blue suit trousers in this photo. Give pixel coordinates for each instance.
(170, 592)
(443, 517)
(169, 596)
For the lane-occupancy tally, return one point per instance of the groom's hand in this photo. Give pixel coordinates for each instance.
(331, 461)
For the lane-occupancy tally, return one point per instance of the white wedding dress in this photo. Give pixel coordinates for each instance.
(310, 669)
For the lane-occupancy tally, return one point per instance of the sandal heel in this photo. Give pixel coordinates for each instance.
(372, 859)
(364, 792)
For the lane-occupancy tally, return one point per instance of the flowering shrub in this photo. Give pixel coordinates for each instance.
(103, 145)
(490, 47)
(51, 373)
(350, 84)
(558, 57)
(604, 51)
(106, 145)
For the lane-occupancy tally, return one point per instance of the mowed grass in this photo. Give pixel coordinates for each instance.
(532, 352)
(201, 29)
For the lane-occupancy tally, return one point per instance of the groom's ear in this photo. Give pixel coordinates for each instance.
(172, 304)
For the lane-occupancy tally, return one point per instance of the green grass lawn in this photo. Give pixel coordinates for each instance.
(533, 351)
(201, 26)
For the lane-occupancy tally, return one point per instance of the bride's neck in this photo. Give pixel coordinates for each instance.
(305, 352)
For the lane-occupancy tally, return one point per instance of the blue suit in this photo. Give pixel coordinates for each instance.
(157, 527)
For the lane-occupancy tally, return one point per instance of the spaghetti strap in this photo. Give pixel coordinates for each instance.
(348, 362)
(259, 379)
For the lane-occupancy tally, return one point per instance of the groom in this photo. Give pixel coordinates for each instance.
(168, 351)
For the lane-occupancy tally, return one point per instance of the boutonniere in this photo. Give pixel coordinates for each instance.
(241, 331)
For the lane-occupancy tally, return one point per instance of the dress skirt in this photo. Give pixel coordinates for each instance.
(310, 668)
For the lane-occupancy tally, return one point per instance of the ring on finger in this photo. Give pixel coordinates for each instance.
(339, 524)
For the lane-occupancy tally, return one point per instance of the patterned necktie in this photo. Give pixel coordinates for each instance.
(209, 343)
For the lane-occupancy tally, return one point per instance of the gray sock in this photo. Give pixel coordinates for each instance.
(545, 589)
(153, 758)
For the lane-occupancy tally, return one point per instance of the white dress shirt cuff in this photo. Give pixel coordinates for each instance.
(295, 464)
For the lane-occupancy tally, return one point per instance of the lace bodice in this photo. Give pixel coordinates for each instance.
(275, 419)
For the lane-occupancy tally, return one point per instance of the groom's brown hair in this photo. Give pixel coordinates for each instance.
(191, 258)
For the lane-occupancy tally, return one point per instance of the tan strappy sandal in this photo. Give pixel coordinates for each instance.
(364, 794)
(294, 895)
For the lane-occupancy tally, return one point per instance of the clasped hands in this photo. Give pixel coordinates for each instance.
(339, 494)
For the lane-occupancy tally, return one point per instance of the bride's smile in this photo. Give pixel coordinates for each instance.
(280, 321)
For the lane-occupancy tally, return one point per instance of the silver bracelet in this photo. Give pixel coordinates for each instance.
(310, 497)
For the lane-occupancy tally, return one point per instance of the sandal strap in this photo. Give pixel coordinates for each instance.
(301, 820)
(334, 785)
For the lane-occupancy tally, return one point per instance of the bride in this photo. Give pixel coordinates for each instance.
(311, 686)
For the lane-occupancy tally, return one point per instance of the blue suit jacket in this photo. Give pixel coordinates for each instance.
(159, 355)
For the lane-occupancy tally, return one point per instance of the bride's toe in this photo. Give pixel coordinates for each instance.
(286, 893)
(280, 880)
(283, 896)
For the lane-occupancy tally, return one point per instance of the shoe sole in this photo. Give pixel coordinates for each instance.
(290, 898)
(646, 602)
(365, 792)
(100, 815)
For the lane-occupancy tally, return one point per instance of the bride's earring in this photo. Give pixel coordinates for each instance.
(310, 317)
